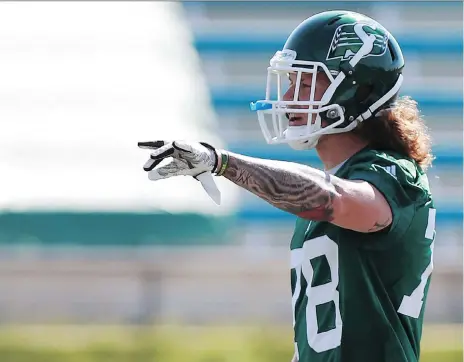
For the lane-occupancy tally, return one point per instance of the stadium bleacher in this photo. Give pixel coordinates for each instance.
(235, 41)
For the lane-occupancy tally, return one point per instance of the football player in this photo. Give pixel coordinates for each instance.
(361, 252)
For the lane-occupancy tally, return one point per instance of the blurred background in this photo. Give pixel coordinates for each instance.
(99, 264)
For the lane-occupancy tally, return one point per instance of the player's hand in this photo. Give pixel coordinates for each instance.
(196, 159)
(188, 159)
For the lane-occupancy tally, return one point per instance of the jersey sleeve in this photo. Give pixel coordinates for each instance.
(393, 180)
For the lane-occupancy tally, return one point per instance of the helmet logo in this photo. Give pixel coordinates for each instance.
(346, 43)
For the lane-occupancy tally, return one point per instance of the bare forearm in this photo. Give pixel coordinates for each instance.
(298, 189)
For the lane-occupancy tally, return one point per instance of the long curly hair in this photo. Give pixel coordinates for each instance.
(399, 128)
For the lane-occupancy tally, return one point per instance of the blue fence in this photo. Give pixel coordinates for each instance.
(450, 44)
(443, 156)
(239, 99)
(254, 214)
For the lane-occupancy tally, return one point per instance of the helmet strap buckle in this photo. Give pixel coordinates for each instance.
(347, 69)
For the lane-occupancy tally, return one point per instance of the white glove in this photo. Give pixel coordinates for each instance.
(194, 159)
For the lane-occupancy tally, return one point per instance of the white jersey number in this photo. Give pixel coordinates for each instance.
(411, 305)
(317, 295)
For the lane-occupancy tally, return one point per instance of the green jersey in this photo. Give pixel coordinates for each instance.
(359, 297)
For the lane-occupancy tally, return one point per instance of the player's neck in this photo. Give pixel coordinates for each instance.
(336, 148)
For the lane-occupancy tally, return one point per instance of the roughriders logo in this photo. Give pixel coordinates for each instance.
(346, 43)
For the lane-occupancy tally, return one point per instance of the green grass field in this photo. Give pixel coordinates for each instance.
(176, 344)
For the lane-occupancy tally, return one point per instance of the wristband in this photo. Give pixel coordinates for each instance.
(224, 163)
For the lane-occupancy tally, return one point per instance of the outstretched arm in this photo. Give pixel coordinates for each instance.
(311, 193)
(298, 189)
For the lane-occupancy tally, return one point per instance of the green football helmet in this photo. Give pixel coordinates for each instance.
(362, 61)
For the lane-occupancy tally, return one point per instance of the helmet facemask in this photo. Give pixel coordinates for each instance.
(274, 111)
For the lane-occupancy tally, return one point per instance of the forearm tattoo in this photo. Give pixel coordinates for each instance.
(298, 189)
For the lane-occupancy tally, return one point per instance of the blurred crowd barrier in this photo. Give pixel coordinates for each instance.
(182, 284)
